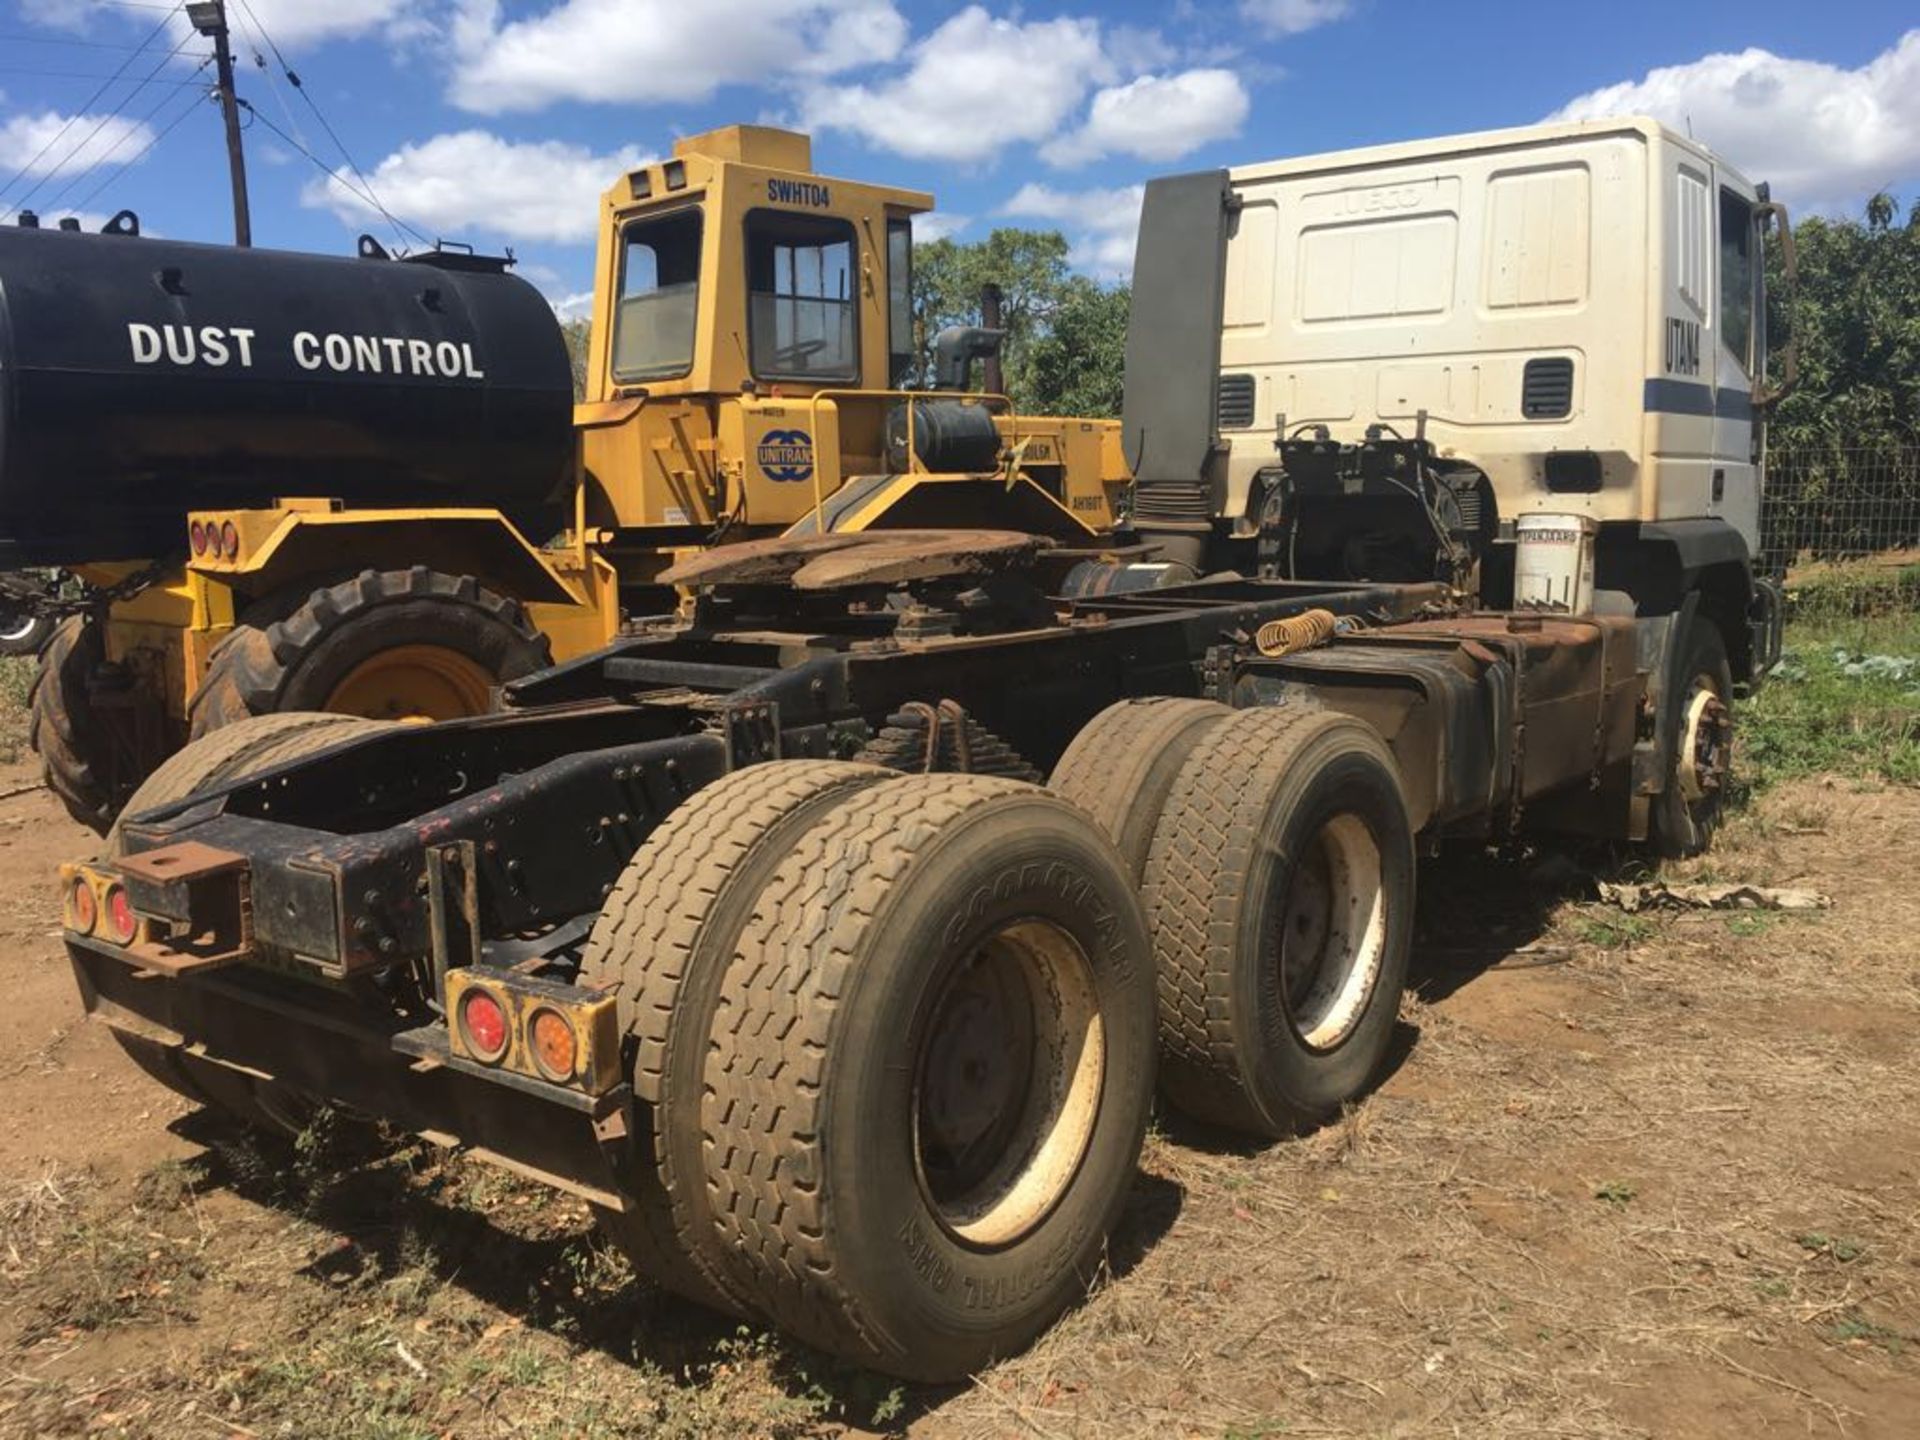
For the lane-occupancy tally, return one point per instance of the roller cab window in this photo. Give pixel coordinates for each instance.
(801, 323)
(899, 300)
(653, 325)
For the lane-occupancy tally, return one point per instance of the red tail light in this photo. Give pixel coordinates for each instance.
(122, 923)
(197, 537)
(483, 1021)
(230, 541)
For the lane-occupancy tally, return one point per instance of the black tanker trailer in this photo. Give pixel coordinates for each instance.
(141, 379)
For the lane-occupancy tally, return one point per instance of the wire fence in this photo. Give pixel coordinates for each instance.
(1843, 526)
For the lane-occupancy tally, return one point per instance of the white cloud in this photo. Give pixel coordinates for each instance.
(576, 306)
(1156, 118)
(1820, 133)
(61, 14)
(1101, 223)
(938, 225)
(657, 51)
(1291, 17)
(50, 143)
(471, 182)
(972, 86)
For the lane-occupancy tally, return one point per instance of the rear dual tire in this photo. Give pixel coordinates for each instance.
(925, 1075)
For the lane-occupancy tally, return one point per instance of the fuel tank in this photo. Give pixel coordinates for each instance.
(143, 378)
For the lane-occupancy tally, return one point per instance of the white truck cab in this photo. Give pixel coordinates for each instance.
(1417, 344)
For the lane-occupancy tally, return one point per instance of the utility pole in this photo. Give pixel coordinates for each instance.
(209, 17)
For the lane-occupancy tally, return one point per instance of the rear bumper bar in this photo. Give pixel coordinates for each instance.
(320, 1044)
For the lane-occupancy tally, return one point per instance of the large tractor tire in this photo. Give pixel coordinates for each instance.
(385, 644)
(1686, 813)
(930, 1073)
(239, 750)
(73, 743)
(664, 940)
(1121, 767)
(1279, 894)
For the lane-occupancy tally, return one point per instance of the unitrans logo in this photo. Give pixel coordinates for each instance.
(786, 455)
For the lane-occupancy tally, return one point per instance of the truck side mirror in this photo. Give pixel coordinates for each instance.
(1768, 393)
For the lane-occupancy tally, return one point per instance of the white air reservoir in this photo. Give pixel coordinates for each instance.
(1553, 568)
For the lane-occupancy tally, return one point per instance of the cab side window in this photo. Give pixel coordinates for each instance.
(1739, 275)
(801, 319)
(653, 326)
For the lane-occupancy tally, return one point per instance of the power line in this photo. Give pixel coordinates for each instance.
(101, 124)
(293, 79)
(104, 85)
(71, 40)
(134, 159)
(332, 174)
(81, 75)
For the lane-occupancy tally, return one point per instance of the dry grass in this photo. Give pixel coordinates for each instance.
(1651, 1179)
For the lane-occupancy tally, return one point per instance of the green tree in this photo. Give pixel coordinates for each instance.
(1856, 314)
(1078, 367)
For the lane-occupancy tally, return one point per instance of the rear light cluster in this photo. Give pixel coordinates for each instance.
(211, 541)
(100, 905)
(563, 1034)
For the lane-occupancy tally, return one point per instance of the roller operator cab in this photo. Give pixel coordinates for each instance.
(1427, 359)
(754, 338)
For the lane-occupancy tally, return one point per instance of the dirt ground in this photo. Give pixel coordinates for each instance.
(1630, 1176)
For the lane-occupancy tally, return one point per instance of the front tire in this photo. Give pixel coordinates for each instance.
(930, 1074)
(386, 645)
(74, 743)
(1686, 813)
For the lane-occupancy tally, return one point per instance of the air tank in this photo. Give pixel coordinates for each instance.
(143, 378)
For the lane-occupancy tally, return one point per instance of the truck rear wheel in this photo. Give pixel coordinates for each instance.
(238, 750)
(1279, 894)
(930, 1074)
(664, 938)
(1121, 767)
(74, 744)
(1686, 813)
(386, 644)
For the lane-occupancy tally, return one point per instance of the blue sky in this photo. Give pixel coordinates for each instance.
(499, 123)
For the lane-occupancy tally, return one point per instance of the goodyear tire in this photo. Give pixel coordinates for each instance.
(1121, 767)
(238, 750)
(1686, 813)
(72, 742)
(930, 1074)
(1279, 894)
(664, 938)
(385, 644)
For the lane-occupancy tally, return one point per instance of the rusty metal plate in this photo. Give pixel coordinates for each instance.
(755, 562)
(895, 557)
(189, 860)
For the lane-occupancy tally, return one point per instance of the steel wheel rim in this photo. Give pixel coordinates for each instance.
(1007, 1082)
(413, 682)
(17, 626)
(1705, 752)
(1331, 934)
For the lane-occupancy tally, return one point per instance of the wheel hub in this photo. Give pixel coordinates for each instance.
(1330, 938)
(1706, 750)
(413, 682)
(1007, 1082)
